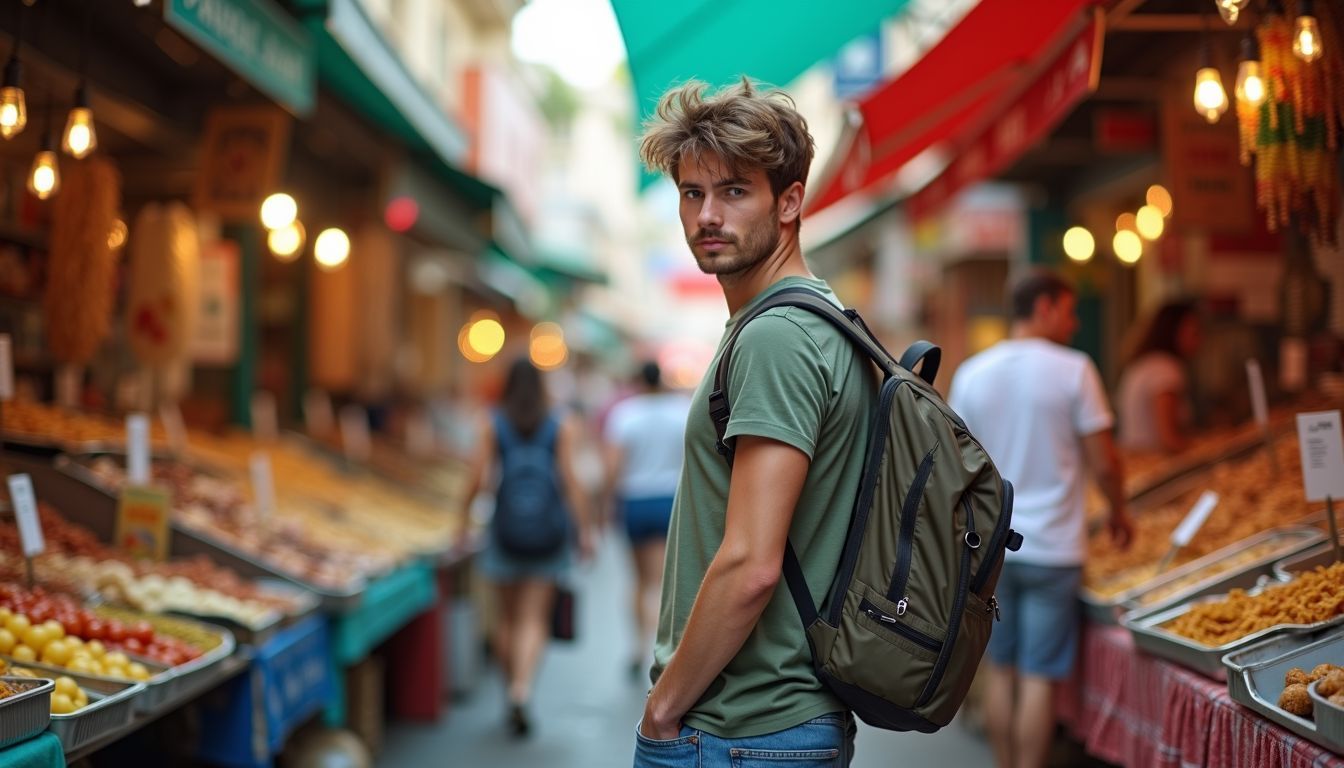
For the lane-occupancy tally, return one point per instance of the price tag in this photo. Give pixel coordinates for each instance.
(137, 449)
(1318, 437)
(171, 416)
(419, 436)
(25, 511)
(6, 368)
(263, 486)
(265, 423)
(142, 521)
(355, 433)
(318, 415)
(1194, 519)
(1257, 381)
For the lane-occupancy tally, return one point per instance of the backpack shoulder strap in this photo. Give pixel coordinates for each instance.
(846, 321)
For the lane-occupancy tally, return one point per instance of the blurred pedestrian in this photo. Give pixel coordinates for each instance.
(644, 437)
(1039, 409)
(733, 672)
(1154, 394)
(539, 517)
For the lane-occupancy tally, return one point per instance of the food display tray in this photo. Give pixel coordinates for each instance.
(26, 714)
(1146, 627)
(1321, 554)
(155, 692)
(186, 541)
(111, 707)
(1290, 541)
(1255, 680)
(189, 679)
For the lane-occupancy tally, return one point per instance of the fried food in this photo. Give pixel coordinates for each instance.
(1312, 597)
(1321, 670)
(1337, 699)
(1331, 684)
(1296, 675)
(1296, 700)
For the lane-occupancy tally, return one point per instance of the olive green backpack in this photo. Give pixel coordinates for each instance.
(908, 616)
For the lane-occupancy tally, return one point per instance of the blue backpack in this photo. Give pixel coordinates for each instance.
(530, 518)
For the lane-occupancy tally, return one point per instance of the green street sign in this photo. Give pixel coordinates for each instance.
(258, 41)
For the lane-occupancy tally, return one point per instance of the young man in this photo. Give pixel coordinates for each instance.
(1039, 409)
(732, 670)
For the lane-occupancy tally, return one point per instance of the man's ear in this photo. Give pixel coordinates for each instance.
(791, 204)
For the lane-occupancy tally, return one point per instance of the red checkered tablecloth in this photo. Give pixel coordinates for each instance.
(1135, 710)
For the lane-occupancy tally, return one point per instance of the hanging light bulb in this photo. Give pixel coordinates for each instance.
(331, 249)
(1210, 96)
(1250, 88)
(13, 105)
(1307, 35)
(80, 137)
(1231, 10)
(44, 180)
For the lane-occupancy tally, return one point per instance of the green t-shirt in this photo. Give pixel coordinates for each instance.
(793, 378)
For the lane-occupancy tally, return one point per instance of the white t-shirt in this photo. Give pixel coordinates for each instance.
(651, 432)
(1029, 402)
(1153, 374)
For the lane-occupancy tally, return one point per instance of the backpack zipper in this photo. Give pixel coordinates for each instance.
(996, 541)
(890, 623)
(909, 511)
(859, 519)
(953, 629)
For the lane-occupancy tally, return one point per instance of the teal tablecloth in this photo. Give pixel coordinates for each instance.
(44, 751)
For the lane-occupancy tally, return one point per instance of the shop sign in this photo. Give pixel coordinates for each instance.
(25, 512)
(1124, 131)
(1322, 447)
(258, 41)
(216, 333)
(1202, 163)
(242, 156)
(1066, 81)
(142, 522)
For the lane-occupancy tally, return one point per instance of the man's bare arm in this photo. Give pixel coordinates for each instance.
(1103, 459)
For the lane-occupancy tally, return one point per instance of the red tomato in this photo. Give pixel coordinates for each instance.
(116, 631)
(95, 629)
(142, 631)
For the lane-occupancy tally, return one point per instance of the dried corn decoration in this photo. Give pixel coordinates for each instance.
(81, 269)
(1295, 135)
(162, 283)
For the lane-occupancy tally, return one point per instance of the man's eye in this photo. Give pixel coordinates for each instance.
(736, 191)
(691, 194)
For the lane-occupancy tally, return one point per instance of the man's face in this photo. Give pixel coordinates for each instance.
(1060, 317)
(731, 221)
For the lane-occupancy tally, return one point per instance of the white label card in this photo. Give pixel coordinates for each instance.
(1194, 519)
(318, 415)
(137, 449)
(1257, 381)
(6, 368)
(171, 416)
(265, 423)
(1318, 436)
(25, 511)
(355, 433)
(263, 485)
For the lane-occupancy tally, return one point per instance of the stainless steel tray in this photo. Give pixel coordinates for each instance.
(111, 707)
(1322, 554)
(1146, 627)
(155, 692)
(26, 714)
(1255, 679)
(188, 679)
(1289, 541)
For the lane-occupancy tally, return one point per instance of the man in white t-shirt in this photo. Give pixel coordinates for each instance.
(1039, 409)
(644, 436)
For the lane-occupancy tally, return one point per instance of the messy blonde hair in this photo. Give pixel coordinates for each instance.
(744, 127)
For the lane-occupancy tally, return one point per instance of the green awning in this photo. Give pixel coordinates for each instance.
(773, 41)
(501, 273)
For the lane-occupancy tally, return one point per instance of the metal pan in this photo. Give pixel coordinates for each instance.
(111, 707)
(26, 714)
(1322, 554)
(1255, 680)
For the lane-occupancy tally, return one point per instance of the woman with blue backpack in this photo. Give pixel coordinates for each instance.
(538, 521)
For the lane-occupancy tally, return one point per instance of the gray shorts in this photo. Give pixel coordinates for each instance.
(1040, 614)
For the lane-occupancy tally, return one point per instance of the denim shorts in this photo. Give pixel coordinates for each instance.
(647, 518)
(1039, 619)
(823, 742)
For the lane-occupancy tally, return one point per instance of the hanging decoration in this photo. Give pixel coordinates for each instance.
(1294, 134)
(81, 268)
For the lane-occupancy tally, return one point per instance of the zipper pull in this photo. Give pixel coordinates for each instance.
(901, 605)
(875, 616)
(994, 606)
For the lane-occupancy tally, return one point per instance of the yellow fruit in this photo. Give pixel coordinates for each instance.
(75, 643)
(80, 664)
(7, 641)
(24, 653)
(56, 652)
(82, 700)
(61, 704)
(5, 613)
(36, 637)
(18, 624)
(96, 648)
(137, 671)
(68, 686)
(116, 659)
(56, 629)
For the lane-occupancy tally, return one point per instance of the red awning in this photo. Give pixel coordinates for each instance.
(954, 89)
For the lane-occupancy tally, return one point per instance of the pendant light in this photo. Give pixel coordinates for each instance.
(1210, 95)
(1251, 88)
(1307, 33)
(81, 137)
(44, 179)
(1231, 10)
(13, 104)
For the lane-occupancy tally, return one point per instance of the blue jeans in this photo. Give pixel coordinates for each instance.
(823, 742)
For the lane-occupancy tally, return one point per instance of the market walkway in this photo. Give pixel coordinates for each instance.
(587, 705)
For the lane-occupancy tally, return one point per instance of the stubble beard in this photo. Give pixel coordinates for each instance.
(748, 251)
